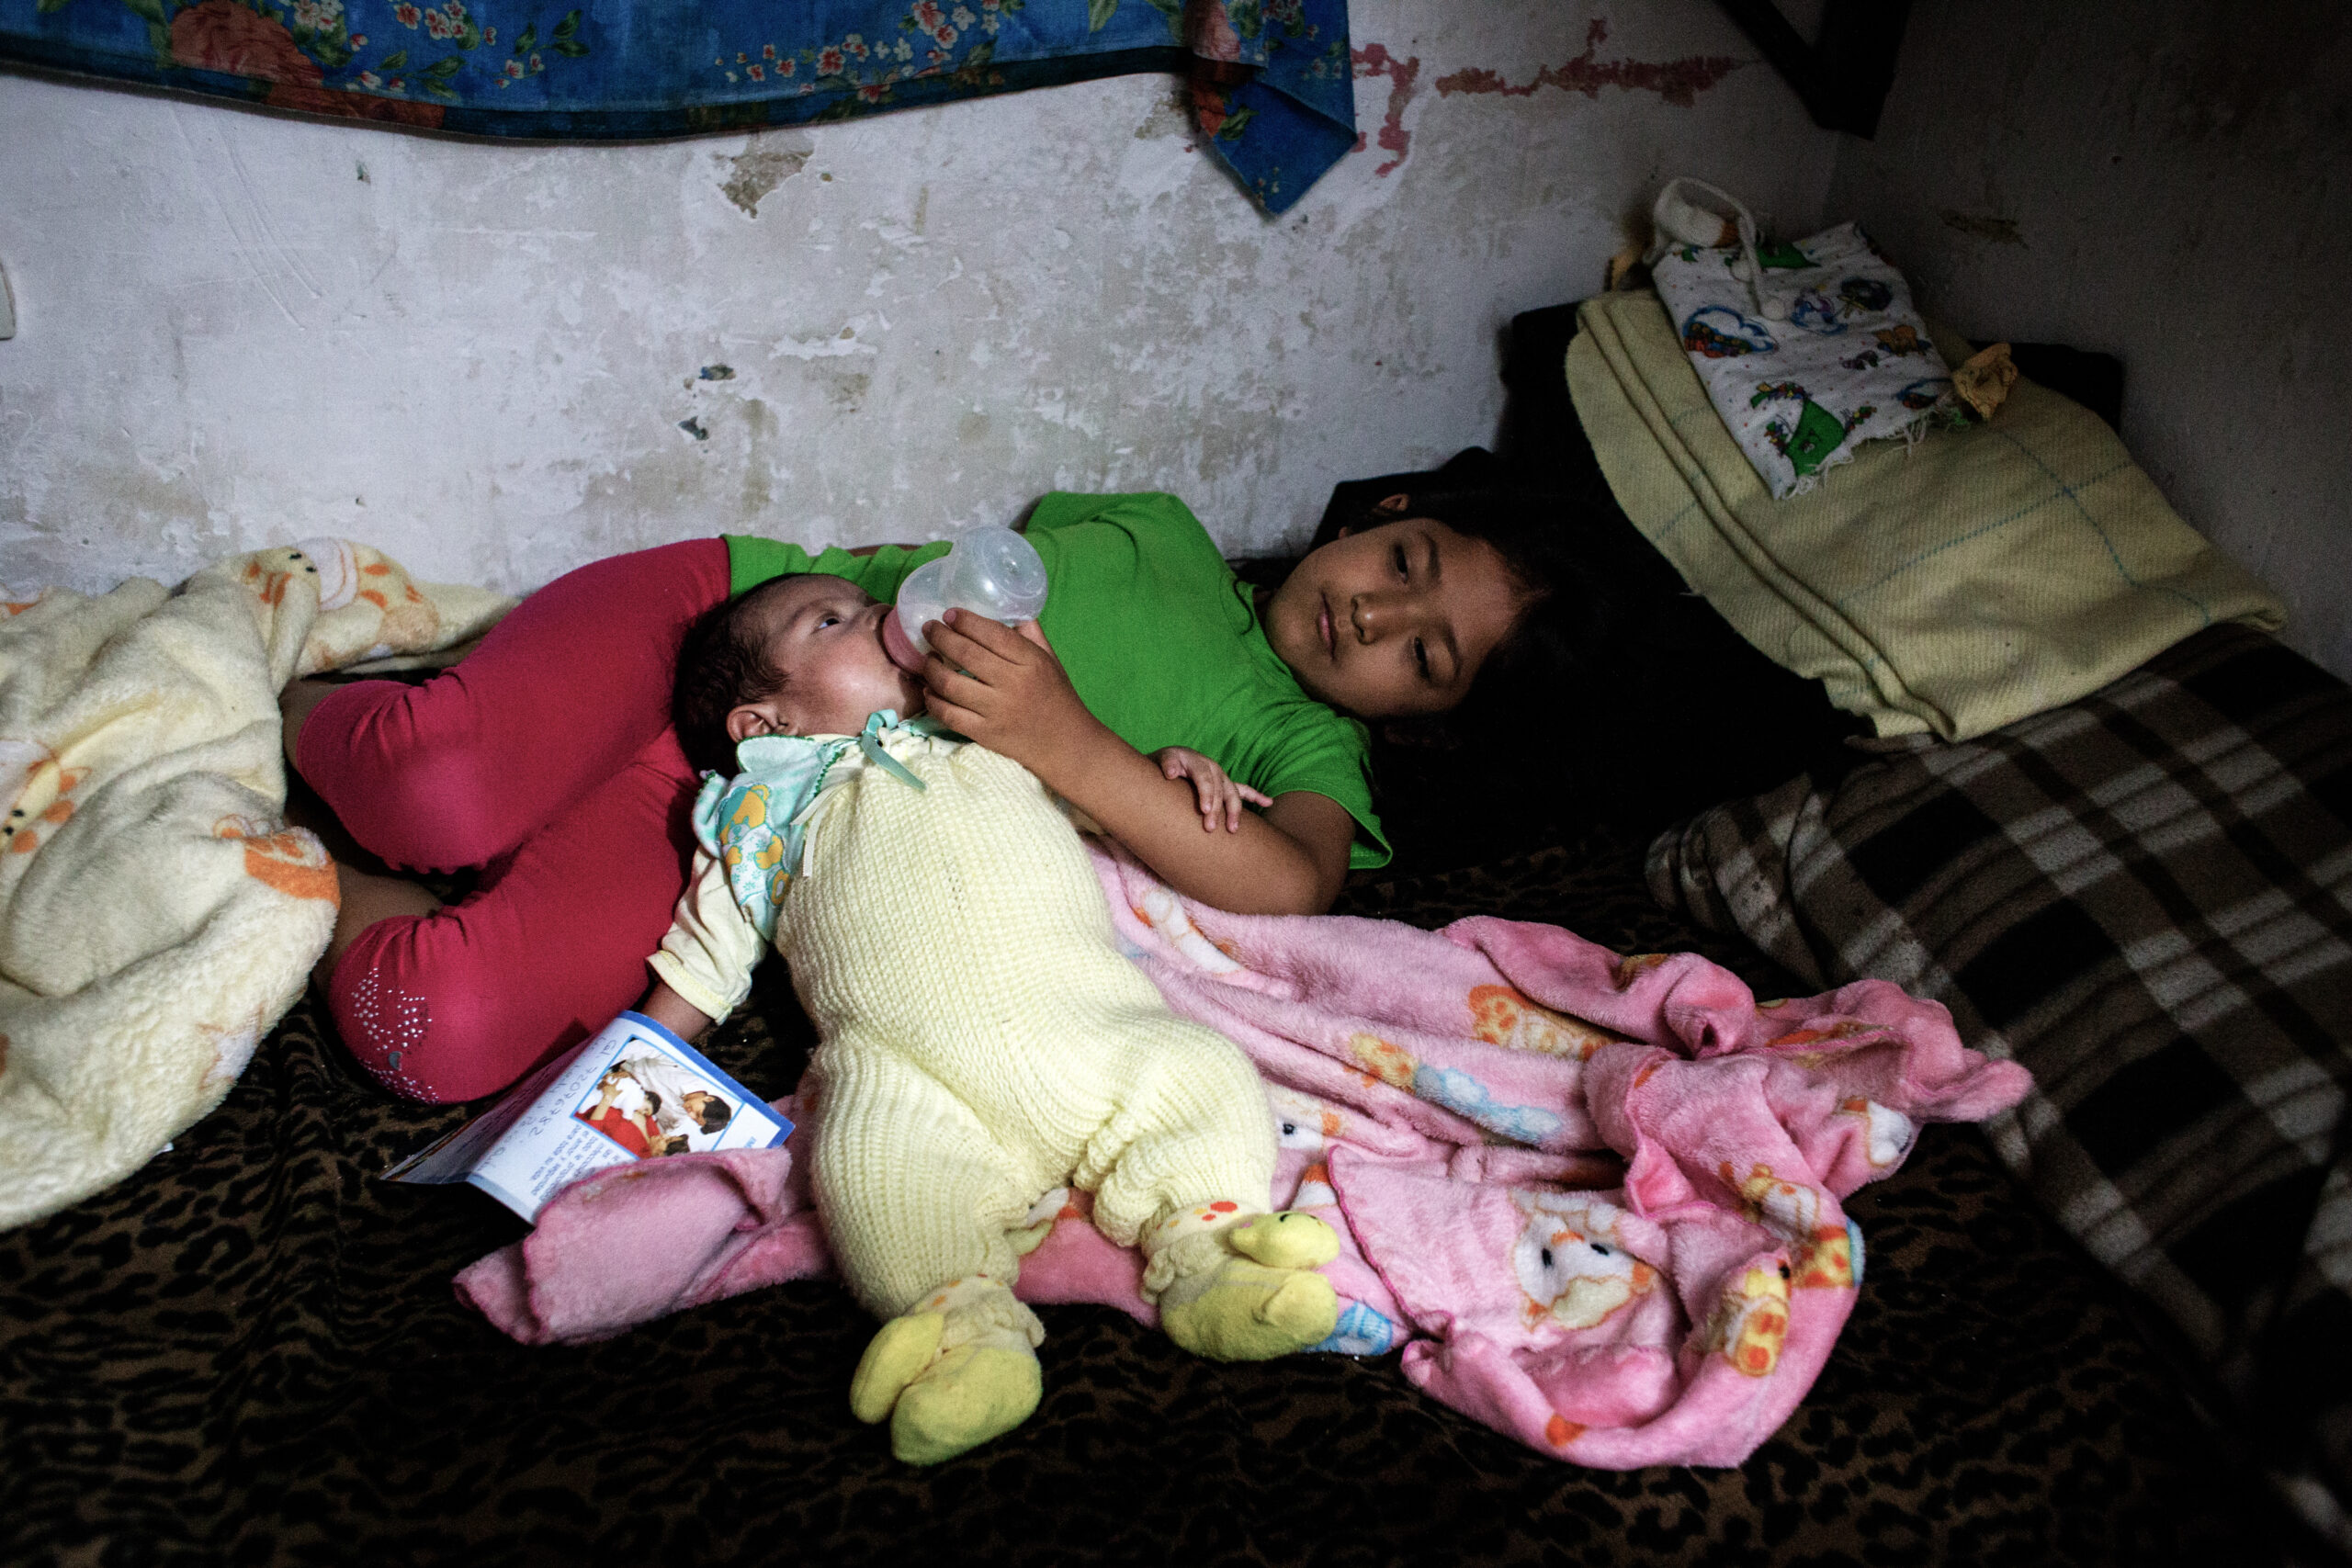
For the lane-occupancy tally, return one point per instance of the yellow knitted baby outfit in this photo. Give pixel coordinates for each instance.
(984, 1042)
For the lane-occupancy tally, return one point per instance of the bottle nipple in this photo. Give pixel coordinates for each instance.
(900, 648)
(989, 570)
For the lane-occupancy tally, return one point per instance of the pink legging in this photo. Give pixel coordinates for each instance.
(545, 759)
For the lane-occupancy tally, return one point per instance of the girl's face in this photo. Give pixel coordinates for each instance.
(1393, 622)
(824, 637)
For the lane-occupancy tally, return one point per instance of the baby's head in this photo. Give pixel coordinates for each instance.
(795, 656)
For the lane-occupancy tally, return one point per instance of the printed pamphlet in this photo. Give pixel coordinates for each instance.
(635, 1091)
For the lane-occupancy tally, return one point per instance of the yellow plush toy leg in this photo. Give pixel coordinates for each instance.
(953, 1375)
(973, 1393)
(896, 1357)
(1243, 1290)
(1284, 1241)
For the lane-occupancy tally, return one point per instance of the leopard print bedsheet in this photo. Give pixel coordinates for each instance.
(249, 1353)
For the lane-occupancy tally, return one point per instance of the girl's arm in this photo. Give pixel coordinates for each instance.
(1006, 691)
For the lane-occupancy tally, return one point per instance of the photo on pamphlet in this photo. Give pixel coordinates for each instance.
(653, 1105)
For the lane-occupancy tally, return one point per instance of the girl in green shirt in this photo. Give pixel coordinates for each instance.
(547, 756)
(1156, 643)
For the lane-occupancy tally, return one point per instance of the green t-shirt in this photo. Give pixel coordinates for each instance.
(1160, 640)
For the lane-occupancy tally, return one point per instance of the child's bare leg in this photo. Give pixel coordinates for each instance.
(455, 1002)
(367, 897)
(294, 705)
(368, 894)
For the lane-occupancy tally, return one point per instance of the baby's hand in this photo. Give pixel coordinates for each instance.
(1216, 792)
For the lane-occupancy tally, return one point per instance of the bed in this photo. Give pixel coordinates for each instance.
(248, 1351)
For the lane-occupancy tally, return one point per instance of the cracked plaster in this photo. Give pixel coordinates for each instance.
(236, 330)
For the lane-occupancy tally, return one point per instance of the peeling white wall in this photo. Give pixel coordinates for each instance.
(2170, 182)
(235, 330)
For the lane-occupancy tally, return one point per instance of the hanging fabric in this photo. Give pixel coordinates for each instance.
(1273, 93)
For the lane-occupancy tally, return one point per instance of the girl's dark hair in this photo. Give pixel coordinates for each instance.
(722, 664)
(1583, 579)
(1611, 670)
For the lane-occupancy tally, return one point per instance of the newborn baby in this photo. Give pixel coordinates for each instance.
(984, 1042)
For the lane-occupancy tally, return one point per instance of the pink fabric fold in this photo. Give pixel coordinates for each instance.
(1596, 1199)
(636, 1242)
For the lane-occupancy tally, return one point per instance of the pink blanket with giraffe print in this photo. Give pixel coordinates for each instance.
(1593, 1200)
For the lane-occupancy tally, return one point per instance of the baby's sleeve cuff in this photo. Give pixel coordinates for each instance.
(692, 989)
(711, 949)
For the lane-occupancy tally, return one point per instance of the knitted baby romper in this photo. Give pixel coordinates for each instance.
(984, 1043)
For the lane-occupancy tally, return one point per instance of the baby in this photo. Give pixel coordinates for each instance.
(984, 1042)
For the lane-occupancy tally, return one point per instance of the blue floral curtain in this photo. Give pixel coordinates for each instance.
(1271, 79)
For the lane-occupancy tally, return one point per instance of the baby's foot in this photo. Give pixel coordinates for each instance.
(1243, 1290)
(958, 1371)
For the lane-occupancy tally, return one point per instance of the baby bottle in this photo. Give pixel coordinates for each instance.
(989, 570)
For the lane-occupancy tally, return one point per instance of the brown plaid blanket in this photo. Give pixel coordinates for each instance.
(2145, 896)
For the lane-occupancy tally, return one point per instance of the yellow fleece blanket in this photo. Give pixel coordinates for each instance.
(157, 914)
(1951, 586)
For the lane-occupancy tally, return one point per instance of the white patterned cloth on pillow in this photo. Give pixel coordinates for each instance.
(1822, 353)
